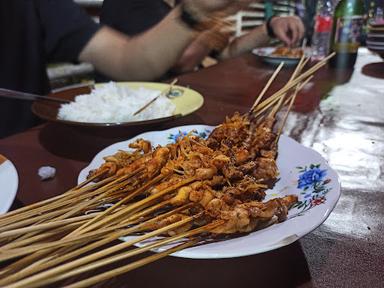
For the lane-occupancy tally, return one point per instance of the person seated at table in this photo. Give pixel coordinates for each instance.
(133, 17)
(36, 32)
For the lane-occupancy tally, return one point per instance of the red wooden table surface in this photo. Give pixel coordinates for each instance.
(347, 129)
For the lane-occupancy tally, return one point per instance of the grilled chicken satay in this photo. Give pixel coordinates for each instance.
(239, 217)
(288, 52)
(232, 169)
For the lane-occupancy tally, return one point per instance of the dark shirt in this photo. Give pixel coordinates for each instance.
(33, 33)
(133, 16)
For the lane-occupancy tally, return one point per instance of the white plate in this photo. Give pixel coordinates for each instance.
(298, 166)
(265, 54)
(9, 181)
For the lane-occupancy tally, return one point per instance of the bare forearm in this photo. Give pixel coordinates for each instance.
(164, 44)
(256, 38)
(151, 54)
(145, 57)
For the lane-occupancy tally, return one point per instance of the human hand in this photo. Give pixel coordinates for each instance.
(288, 29)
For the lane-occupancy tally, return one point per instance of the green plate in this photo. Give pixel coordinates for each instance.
(186, 101)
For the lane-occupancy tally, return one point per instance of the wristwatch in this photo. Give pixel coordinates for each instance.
(190, 19)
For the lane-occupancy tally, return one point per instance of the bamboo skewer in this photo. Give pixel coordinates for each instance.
(90, 179)
(39, 237)
(9, 254)
(74, 251)
(297, 70)
(306, 74)
(86, 204)
(35, 219)
(43, 219)
(137, 251)
(162, 93)
(114, 217)
(28, 282)
(44, 226)
(115, 272)
(38, 204)
(266, 87)
(69, 211)
(291, 101)
(149, 210)
(121, 202)
(60, 202)
(28, 260)
(287, 113)
(294, 82)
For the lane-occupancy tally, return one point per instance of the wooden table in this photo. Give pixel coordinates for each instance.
(347, 128)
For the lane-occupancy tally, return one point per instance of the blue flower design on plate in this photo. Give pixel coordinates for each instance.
(203, 134)
(313, 185)
(311, 177)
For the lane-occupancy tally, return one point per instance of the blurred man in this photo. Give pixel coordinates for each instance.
(36, 32)
(133, 17)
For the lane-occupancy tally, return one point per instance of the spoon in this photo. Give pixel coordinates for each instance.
(12, 94)
(165, 92)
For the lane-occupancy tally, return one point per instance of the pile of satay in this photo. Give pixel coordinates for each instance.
(188, 192)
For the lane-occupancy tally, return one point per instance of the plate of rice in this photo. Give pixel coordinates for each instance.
(115, 103)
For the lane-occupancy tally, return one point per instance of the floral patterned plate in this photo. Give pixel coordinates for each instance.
(303, 172)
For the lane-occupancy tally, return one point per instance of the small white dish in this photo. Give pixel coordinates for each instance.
(265, 53)
(9, 181)
(303, 172)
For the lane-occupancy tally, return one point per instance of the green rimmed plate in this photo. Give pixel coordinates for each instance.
(185, 99)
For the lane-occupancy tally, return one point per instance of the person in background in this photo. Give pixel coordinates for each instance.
(36, 32)
(133, 17)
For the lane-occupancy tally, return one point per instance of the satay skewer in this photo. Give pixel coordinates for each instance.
(294, 82)
(126, 212)
(25, 242)
(292, 100)
(33, 220)
(276, 106)
(266, 87)
(121, 202)
(29, 282)
(134, 252)
(13, 253)
(118, 271)
(286, 114)
(66, 253)
(38, 204)
(63, 200)
(43, 226)
(72, 210)
(65, 212)
(41, 205)
(299, 67)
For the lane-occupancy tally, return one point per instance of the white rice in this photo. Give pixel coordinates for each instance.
(112, 103)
